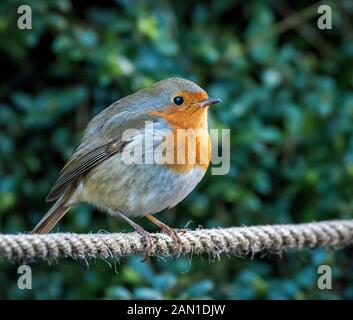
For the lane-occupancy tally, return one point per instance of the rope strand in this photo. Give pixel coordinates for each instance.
(239, 241)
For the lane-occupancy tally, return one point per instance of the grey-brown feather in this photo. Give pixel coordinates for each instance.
(127, 113)
(81, 161)
(96, 148)
(52, 217)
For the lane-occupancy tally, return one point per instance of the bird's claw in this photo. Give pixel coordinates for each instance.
(148, 241)
(173, 233)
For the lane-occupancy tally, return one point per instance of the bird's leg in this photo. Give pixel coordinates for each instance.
(167, 230)
(141, 231)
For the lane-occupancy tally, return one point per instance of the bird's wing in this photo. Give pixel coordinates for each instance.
(88, 155)
(102, 139)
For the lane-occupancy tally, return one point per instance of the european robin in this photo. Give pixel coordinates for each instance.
(97, 173)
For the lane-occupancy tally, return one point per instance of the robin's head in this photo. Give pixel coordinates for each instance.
(181, 94)
(181, 102)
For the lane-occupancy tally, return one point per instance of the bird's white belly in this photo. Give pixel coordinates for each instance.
(169, 189)
(136, 189)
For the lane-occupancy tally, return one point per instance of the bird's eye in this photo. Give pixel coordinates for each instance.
(178, 100)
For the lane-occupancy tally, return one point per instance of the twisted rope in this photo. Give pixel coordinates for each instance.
(238, 241)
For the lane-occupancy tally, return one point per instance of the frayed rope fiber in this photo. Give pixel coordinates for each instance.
(239, 241)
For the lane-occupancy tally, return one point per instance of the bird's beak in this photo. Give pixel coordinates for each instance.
(208, 102)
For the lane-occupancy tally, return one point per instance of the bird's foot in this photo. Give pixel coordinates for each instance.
(173, 233)
(142, 232)
(148, 241)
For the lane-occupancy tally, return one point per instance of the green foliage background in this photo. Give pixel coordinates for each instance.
(287, 97)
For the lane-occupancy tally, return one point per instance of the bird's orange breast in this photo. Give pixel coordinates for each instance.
(191, 141)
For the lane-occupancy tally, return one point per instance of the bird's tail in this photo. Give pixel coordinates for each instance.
(52, 217)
